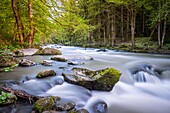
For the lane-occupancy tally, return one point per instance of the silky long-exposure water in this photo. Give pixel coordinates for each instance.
(144, 86)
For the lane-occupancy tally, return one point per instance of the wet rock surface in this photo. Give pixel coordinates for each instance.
(59, 58)
(45, 104)
(8, 61)
(48, 51)
(102, 80)
(26, 63)
(65, 105)
(46, 73)
(46, 63)
(100, 107)
(7, 99)
(18, 53)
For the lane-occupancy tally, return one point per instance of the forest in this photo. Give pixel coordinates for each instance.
(132, 25)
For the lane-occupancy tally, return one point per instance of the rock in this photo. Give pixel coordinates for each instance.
(79, 111)
(46, 63)
(58, 81)
(48, 51)
(18, 53)
(101, 50)
(7, 99)
(75, 57)
(59, 58)
(65, 105)
(102, 80)
(8, 61)
(45, 104)
(46, 74)
(51, 111)
(72, 62)
(26, 63)
(100, 107)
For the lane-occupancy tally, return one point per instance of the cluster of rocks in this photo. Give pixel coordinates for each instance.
(101, 80)
(10, 61)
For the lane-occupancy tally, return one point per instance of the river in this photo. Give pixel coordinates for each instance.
(144, 86)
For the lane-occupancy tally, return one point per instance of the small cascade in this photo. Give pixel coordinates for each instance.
(142, 76)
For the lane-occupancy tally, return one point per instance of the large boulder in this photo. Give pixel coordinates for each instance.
(48, 51)
(8, 61)
(7, 99)
(45, 104)
(46, 74)
(26, 63)
(102, 80)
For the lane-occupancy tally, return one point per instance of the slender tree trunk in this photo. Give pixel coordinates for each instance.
(104, 31)
(104, 36)
(122, 32)
(133, 21)
(127, 25)
(18, 21)
(159, 28)
(113, 27)
(99, 29)
(31, 36)
(164, 30)
(108, 24)
(143, 23)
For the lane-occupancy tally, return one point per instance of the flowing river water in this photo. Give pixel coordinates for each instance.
(144, 86)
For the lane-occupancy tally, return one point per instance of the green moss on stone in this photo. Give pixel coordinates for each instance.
(45, 104)
(112, 76)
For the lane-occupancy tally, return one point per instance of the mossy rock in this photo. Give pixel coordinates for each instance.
(46, 74)
(18, 53)
(45, 104)
(57, 58)
(79, 111)
(102, 80)
(48, 51)
(7, 99)
(8, 61)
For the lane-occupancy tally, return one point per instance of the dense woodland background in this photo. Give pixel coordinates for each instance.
(116, 24)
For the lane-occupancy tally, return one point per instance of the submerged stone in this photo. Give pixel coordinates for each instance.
(100, 107)
(45, 104)
(79, 111)
(46, 74)
(48, 51)
(26, 63)
(46, 63)
(102, 80)
(59, 58)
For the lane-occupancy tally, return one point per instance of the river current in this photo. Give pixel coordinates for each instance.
(144, 86)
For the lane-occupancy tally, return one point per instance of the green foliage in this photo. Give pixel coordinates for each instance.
(4, 96)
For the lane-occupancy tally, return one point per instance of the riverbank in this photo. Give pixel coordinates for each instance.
(142, 45)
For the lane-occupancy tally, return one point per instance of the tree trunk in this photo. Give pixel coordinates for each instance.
(108, 24)
(99, 29)
(127, 25)
(143, 22)
(159, 29)
(18, 21)
(122, 22)
(31, 36)
(113, 27)
(164, 30)
(132, 23)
